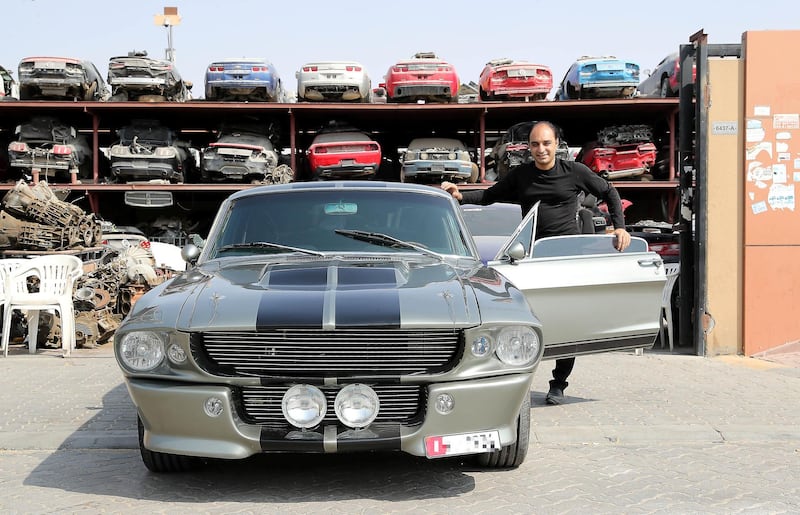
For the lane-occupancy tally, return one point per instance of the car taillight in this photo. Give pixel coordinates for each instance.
(62, 150)
(260, 69)
(18, 146)
(400, 69)
(319, 150)
(145, 244)
(373, 147)
(310, 68)
(216, 68)
(353, 68)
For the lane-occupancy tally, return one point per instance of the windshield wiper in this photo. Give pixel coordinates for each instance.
(384, 240)
(269, 245)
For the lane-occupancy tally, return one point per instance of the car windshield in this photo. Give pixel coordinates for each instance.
(339, 221)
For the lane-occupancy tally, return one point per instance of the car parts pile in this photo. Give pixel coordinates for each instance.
(34, 220)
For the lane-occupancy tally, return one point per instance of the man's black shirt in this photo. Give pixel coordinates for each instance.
(557, 189)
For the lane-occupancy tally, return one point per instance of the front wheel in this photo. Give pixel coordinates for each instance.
(664, 90)
(512, 456)
(161, 461)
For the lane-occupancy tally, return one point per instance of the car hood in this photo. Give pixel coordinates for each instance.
(330, 293)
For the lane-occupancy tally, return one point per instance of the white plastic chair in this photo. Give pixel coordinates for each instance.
(7, 266)
(671, 271)
(56, 274)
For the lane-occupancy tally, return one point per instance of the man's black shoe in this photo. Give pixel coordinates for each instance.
(555, 396)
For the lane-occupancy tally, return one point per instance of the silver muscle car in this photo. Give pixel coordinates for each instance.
(356, 316)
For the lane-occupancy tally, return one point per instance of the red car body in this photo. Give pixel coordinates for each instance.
(508, 79)
(340, 155)
(425, 77)
(619, 162)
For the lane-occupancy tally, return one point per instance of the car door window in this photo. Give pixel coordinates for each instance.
(525, 233)
(582, 245)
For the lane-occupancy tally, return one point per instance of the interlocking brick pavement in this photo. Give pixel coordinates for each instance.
(657, 433)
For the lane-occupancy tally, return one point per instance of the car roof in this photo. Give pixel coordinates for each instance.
(435, 142)
(340, 185)
(328, 137)
(241, 60)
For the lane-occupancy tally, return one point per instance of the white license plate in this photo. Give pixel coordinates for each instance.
(465, 443)
(608, 67)
(437, 168)
(348, 162)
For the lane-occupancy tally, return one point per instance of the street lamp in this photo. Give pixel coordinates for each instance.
(169, 19)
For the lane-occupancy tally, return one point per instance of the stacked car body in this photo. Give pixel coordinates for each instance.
(343, 154)
(424, 78)
(49, 147)
(147, 150)
(239, 155)
(599, 77)
(138, 77)
(506, 79)
(243, 79)
(623, 151)
(60, 78)
(344, 81)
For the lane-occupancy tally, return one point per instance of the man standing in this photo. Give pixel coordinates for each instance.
(555, 183)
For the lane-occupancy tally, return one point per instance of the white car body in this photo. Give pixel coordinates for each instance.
(345, 81)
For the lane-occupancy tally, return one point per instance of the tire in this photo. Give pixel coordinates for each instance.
(572, 93)
(476, 171)
(91, 92)
(483, 95)
(663, 91)
(512, 456)
(162, 462)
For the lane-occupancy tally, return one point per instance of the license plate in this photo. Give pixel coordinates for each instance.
(465, 443)
(437, 168)
(348, 162)
(607, 67)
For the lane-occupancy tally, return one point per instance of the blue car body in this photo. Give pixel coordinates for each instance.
(596, 77)
(243, 79)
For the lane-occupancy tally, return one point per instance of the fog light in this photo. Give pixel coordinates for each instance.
(356, 405)
(213, 407)
(175, 354)
(304, 405)
(444, 403)
(481, 346)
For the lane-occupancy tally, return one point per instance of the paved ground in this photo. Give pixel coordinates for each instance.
(657, 433)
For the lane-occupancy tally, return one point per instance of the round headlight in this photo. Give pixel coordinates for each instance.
(423, 155)
(141, 351)
(517, 345)
(304, 405)
(451, 156)
(175, 354)
(356, 405)
(481, 346)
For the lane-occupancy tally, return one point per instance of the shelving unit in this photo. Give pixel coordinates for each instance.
(393, 125)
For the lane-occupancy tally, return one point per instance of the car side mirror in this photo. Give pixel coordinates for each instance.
(516, 252)
(190, 252)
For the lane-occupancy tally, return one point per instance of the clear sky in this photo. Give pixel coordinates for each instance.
(466, 33)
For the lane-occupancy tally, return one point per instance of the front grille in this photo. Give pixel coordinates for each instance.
(398, 404)
(317, 353)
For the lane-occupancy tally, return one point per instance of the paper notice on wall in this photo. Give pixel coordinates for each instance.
(757, 172)
(781, 196)
(783, 135)
(759, 207)
(796, 176)
(781, 147)
(779, 174)
(786, 121)
(753, 150)
(761, 111)
(797, 164)
(754, 132)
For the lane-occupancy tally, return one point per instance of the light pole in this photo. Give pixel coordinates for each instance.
(169, 19)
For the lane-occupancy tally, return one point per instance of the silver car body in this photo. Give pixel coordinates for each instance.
(279, 298)
(239, 156)
(346, 81)
(9, 89)
(437, 159)
(60, 78)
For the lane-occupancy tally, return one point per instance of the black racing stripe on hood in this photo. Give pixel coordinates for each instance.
(367, 296)
(295, 298)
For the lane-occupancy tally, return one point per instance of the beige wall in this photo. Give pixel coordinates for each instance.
(725, 193)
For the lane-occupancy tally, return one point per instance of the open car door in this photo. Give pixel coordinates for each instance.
(589, 297)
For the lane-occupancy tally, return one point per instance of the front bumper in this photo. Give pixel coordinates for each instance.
(175, 421)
